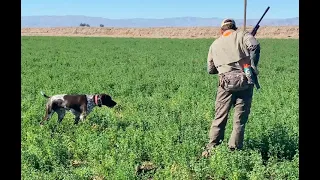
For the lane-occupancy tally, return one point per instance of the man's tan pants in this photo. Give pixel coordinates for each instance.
(241, 101)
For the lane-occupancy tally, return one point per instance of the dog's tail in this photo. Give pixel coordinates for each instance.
(43, 94)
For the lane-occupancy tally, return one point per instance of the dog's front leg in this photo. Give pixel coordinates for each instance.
(76, 120)
(83, 112)
(83, 116)
(76, 116)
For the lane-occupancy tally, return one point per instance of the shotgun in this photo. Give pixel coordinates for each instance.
(254, 32)
(257, 26)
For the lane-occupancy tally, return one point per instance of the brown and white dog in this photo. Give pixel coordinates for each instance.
(79, 105)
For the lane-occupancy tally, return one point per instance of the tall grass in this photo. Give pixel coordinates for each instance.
(165, 108)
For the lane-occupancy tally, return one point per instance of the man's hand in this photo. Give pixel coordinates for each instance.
(211, 68)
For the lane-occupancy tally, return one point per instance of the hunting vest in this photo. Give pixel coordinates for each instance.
(228, 50)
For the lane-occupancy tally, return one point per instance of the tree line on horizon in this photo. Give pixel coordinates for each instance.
(87, 25)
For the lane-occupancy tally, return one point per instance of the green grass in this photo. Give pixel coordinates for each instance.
(165, 108)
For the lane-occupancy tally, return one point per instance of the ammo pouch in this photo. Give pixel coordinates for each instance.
(233, 81)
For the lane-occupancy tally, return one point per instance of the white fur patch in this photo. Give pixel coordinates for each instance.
(57, 97)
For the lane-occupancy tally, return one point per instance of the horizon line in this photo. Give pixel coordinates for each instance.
(156, 18)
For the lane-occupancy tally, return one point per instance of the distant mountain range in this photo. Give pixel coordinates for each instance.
(74, 21)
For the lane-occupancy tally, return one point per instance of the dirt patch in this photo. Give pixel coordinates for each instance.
(278, 32)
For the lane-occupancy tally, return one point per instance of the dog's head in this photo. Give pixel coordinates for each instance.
(107, 100)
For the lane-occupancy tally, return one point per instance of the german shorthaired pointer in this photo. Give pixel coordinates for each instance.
(79, 105)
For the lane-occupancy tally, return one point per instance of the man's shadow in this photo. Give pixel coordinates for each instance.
(276, 142)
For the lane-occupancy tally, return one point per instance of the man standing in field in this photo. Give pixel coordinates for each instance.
(227, 56)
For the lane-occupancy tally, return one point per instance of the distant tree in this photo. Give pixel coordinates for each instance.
(101, 25)
(84, 24)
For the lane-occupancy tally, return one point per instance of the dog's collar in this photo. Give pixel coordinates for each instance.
(97, 100)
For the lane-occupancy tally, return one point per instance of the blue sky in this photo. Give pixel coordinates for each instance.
(119, 9)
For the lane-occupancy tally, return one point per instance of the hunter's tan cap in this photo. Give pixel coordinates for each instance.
(228, 21)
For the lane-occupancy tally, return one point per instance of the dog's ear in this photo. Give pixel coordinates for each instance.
(104, 98)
